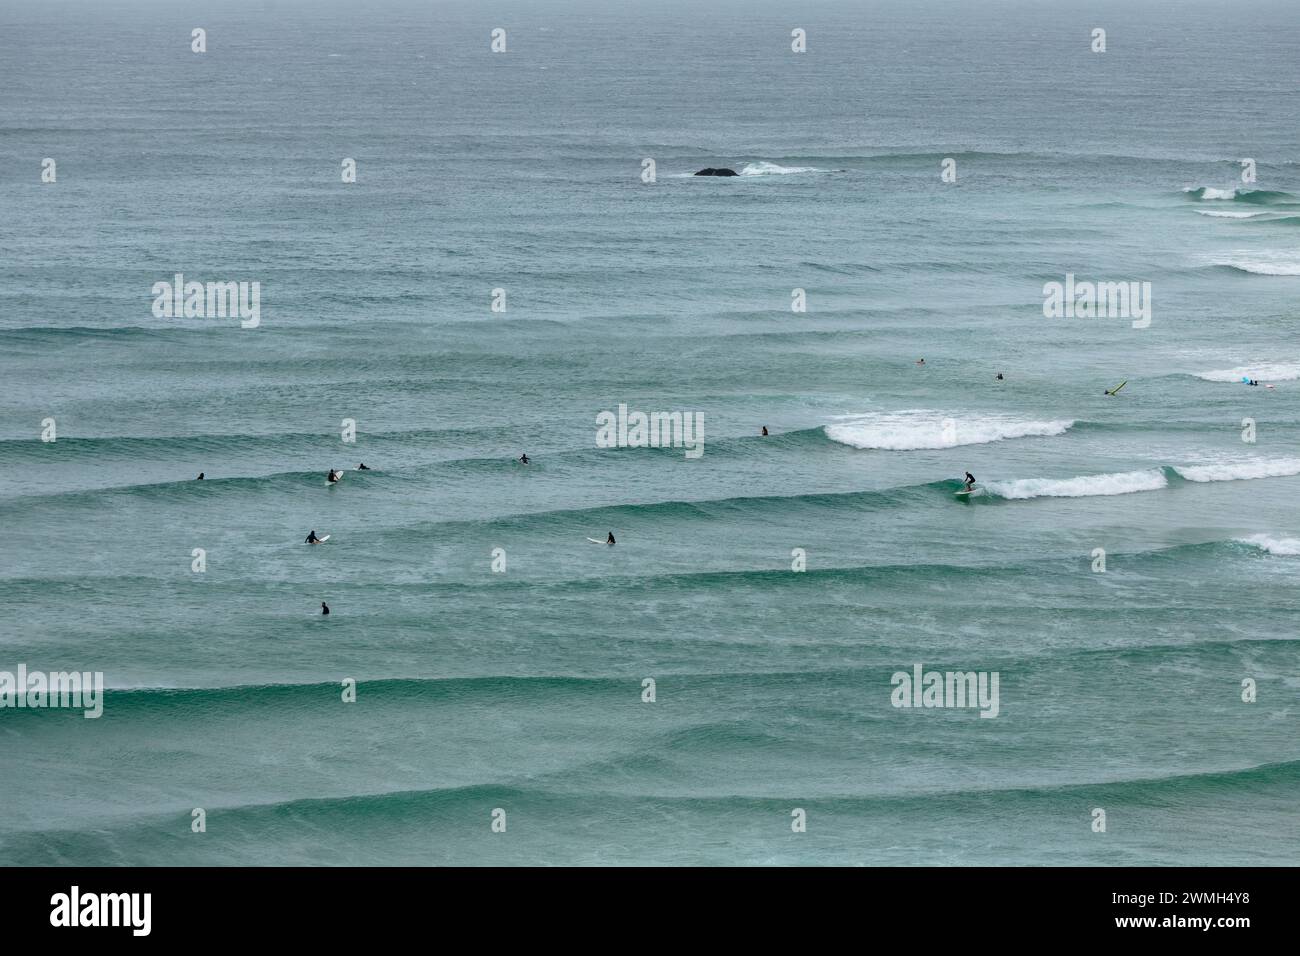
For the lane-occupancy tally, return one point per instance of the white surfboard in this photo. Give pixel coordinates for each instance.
(971, 492)
(595, 541)
(321, 540)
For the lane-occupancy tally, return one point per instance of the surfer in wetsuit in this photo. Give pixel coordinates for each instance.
(524, 458)
(324, 608)
(764, 431)
(334, 475)
(312, 539)
(363, 467)
(970, 481)
(200, 477)
(999, 376)
(610, 540)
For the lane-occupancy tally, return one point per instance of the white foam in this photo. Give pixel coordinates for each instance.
(1264, 372)
(762, 168)
(1280, 546)
(1241, 470)
(1228, 213)
(1209, 192)
(1260, 267)
(919, 429)
(1086, 486)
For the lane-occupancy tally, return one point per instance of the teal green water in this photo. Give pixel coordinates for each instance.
(522, 689)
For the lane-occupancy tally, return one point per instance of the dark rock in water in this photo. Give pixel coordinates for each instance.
(717, 172)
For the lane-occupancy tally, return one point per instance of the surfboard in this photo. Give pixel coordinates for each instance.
(971, 492)
(1115, 390)
(595, 541)
(321, 540)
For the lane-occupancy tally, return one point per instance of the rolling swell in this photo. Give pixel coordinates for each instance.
(327, 817)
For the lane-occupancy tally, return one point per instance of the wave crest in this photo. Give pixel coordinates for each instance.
(1281, 546)
(1241, 470)
(1267, 371)
(764, 168)
(1086, 486)
(914, 430)
(1257, 196)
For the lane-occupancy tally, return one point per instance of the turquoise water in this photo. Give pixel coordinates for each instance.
(522, 689)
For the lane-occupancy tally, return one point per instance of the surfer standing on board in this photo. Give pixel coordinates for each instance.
(970, 481)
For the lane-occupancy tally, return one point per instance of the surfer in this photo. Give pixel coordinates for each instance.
(610, 539)
(999, 376)
(312, 539)
(920, 361)
(1253, 382)
(363, 467)
(324, 608)
(764, 435)
(970, 481)
(524, 458)
(334, 475)
(200, 477)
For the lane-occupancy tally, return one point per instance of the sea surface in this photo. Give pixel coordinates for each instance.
(522, 689)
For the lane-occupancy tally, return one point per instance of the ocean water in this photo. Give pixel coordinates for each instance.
(522, 689)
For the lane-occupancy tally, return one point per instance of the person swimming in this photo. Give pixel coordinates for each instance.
(200, 477)
(363, 467)
(311, 538)
(970, 481)
(334, 475)
(524, 458)
(610, 540)
(999, 376)
(764, 431)
(324, 608)
(920, 361)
